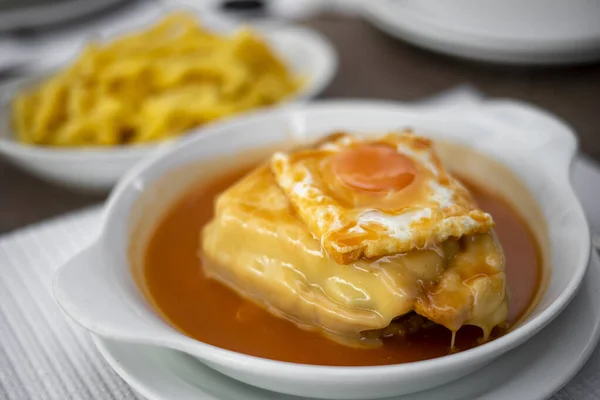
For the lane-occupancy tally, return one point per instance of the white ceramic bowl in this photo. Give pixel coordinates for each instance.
(97, 289)
(534, 32)
(98, 169)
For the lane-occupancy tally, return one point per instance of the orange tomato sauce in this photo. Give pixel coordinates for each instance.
(212, 313)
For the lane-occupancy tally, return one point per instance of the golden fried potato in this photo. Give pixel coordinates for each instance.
(152, 85)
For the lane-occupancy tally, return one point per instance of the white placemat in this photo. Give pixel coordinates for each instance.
(42, 354)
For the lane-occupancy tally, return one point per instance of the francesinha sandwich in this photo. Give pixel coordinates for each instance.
(359, 239)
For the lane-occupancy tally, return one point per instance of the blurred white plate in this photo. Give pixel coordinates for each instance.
(97, 169)
(26, 14)
(42, 50)
(509, 31)
(552, 358)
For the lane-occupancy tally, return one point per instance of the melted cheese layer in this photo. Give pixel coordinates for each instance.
(257, 245)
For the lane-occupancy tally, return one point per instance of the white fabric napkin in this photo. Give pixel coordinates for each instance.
(43, 355)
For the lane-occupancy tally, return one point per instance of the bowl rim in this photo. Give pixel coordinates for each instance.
(506, 342)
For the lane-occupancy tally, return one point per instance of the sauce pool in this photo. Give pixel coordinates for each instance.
(212, 313)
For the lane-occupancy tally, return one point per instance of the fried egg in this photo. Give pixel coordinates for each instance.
(368, 198)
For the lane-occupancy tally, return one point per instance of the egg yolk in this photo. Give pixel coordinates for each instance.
(374, 167)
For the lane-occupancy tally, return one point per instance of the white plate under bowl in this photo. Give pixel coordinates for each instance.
(552, 358)
(97, 169)
(536, 32)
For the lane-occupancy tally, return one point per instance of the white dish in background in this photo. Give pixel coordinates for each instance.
(96, 288)
(36, 14)
(553, 357)
(536, 32)
(98, 169)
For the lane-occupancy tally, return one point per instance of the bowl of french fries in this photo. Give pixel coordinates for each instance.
(87, 123)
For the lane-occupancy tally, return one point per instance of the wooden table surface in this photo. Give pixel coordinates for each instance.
(372, 65)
